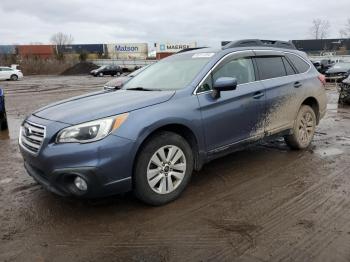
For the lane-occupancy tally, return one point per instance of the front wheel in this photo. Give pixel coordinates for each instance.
(304, 129)
(163, 169)
(14, 77)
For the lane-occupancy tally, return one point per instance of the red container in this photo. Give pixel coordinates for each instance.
(161, 55)
(41, 51)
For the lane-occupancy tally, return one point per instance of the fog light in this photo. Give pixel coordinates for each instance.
(80, 183)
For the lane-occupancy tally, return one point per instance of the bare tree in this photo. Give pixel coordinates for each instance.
(60, 39)
(320, 28)
(345, 32)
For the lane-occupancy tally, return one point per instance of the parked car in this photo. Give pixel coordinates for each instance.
(118, 82)
(112, 70)
(338, 72)
(317, 65)
(3, 118)
(344, 94)
(8, 73)
(172, 118)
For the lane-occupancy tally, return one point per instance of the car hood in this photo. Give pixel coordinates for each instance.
(101, 104)
(337, 70)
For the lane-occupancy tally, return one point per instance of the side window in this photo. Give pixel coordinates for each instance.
(298, 63)
(242, 69)
(270, 67)
(288, 67)
(207, 84)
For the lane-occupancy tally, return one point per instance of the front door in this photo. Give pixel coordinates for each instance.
(236, 115)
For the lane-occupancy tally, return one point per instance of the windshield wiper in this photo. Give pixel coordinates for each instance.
(140, 88)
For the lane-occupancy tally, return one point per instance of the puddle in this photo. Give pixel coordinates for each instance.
(13, 129)
(5, 181)
(325, 152)
(332, 106)
(4, 135)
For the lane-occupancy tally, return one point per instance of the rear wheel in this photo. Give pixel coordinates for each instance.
(163, 169)
(100, 74)
(304, 129)
(14, 77)
(3, 122)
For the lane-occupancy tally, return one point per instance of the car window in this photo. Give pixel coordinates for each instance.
(298, 63)
(242, 69)
(270, 67)
(288, 67)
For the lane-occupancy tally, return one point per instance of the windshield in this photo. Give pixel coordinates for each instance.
(101, 67)
(169, 74)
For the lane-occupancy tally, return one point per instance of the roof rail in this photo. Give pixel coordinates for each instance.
(190, 49)
(259, 42)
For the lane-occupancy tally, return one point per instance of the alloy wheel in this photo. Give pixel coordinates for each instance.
(306, 128)
(166, 169)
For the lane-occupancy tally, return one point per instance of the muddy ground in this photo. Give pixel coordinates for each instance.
(266, 203)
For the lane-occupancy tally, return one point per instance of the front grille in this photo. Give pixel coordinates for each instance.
(31, 137)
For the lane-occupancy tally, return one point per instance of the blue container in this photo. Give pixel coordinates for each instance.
(7, 49)
(84, 48)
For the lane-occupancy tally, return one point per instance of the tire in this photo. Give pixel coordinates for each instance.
(152, 181)
(3, 125)
(119, 74)
(3, 122)
(100, 74)
(303, 130)
(14, 77)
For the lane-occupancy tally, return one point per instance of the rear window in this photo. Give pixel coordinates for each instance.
(298, 63)
(270, 67)
(289, 68)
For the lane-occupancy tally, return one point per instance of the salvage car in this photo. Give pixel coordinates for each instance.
(338, 72)
(8, 73)
(344, 93)
(118, 82)
(3, 118)
(172, 118)
(112, 70)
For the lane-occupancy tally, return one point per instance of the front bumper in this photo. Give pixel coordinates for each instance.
(105, 165)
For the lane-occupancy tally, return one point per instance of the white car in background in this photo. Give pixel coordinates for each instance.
(8, 73)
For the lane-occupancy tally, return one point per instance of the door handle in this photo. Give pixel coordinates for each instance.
(258, 95)
(297, 84)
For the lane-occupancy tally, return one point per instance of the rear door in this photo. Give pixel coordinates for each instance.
(281, 82)
(236, 115)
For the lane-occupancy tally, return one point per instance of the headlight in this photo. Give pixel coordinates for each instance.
(91, 131)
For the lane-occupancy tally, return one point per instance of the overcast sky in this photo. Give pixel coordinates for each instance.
(207, 22)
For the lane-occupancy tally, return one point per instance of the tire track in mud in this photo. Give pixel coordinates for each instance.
(211, 240)
(314, 199)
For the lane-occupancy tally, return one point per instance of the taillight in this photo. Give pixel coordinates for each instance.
(322, 78)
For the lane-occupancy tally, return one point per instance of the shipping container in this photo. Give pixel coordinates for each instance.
(128, 51)
(173, 47)
(161, 55)
(318, 46)
(7, 49)
(41, 51)
(82, 48)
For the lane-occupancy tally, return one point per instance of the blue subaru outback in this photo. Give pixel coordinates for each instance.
(172, 118)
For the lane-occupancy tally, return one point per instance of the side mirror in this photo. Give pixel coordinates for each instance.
(223, 84)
